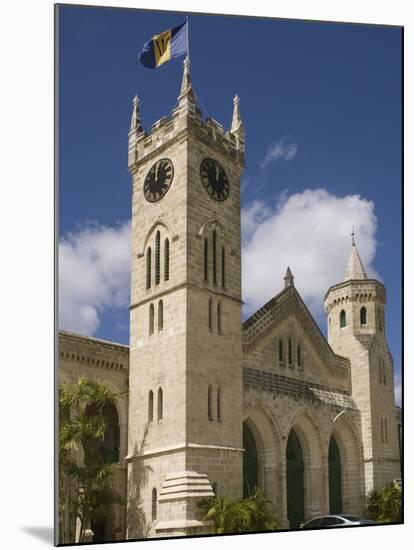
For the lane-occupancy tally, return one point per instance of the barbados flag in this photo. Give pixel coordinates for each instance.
(165, 46)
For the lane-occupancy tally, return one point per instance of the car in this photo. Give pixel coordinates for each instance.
(321, 522)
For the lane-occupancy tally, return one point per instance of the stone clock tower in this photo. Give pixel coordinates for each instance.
(185, 402)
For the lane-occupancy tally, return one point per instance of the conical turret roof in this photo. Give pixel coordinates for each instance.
(354, 268)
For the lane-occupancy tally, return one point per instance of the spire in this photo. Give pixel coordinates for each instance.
(186, 87)
(354, 268)
(236, 123)
(136, 117)
(288, 278)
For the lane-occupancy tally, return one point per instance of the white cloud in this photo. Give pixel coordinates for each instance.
(94, 274)
(398, 389)
(310, 233)
(284, 149)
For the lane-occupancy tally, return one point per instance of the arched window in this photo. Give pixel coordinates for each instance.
(109, 445)
(342, 319)
(210, 314)
(151, 319)
(206, 260)
(157, 257)
(154, 504)
(149, 267)
(214, 257)
(299, 356)
(363, 315)
(290, 358)
(150, 406)
(281, 350)
(219, 317)
(223, 267)
(159, 405)
(210, 403)
(166, 260)
(218, 404)
(160, 316)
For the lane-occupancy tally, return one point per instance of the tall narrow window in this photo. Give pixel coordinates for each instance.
(290, 358)
(219, 404)
(214, 257)
(223, 267)
(160, 316)
(363, 315)
(166, 260)
(219, 317)
(342, 319)
(281, 350)
(149, 267)
(151, 406)
(159, 405)
(299, 356)
(151, 319)
(154, 505)
(157, 257)
(206, 260)
(210, 403)
(210, 315)
(385, 430)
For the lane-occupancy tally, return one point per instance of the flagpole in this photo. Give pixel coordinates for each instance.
(188, 41)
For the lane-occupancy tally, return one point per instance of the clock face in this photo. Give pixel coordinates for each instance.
(214, 179)
(158, 180)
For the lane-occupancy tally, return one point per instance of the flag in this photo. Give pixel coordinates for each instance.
(165, 46)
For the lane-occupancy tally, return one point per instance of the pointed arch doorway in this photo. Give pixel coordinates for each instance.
(250, 462)
(335, 478)
(295, 481)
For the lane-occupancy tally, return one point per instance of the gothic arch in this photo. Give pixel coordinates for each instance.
(314, 477)
(350, 449)
(266, 433)
(156, 225)
(214, 223)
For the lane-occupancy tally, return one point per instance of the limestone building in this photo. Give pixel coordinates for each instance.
(217, 406)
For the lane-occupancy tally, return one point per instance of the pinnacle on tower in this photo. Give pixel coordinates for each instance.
(354, 268)
(288, 278)
(236, 123)
(186, 86)
(136, 117)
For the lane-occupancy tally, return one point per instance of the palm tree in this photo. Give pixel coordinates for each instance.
(85, 487)
(248, 515)
(385, 506)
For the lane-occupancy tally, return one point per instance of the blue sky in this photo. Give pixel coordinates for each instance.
(321, 104)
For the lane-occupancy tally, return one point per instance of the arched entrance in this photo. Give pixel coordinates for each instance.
(294, 481)
(335, 478)
(250, 462)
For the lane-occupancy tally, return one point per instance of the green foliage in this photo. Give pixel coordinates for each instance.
(85, 487)
(385, 506)
(248, 515)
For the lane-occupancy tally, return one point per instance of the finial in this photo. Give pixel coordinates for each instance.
(353, 235)
(186, 83)
(136, 117)
(236, 123)
(288, 278)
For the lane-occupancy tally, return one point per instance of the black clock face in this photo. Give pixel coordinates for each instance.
(158, 180)
(214, 179)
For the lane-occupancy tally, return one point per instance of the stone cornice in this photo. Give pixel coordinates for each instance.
(356, 283)
(90, 352)
(180, 447)
(174, 288)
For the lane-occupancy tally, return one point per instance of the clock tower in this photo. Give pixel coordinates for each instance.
(185, 403)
